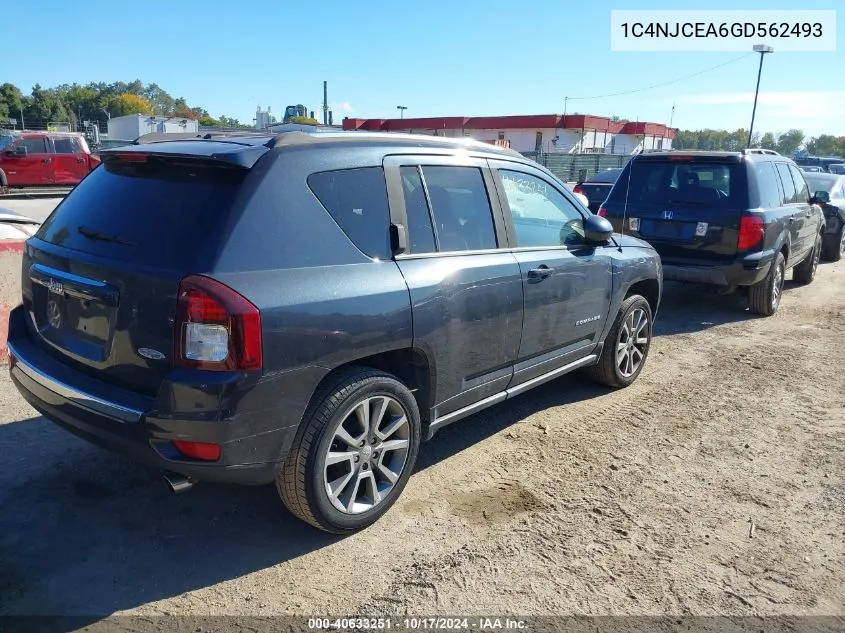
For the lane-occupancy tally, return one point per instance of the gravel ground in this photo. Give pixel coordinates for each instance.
(714, 485)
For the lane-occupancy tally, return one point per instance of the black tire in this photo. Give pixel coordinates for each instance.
(762, 298)
(4, 183)
(608, 371)
(301, 482)
(805, 272)
(835, 251)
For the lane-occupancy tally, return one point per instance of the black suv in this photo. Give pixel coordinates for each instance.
(305, 309)
(726, 219)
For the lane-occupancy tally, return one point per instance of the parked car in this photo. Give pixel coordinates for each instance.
(38, 159)
(597, 186)
(838, 169)
(14, 226)
(811, 169)
(580, 197)
(305, 309)
(829, 191)
(725, 219)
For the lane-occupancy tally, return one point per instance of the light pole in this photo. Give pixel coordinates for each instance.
(762, 49)
(401, 111)
(106, 113)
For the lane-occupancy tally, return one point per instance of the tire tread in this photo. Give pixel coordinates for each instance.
(291, 481)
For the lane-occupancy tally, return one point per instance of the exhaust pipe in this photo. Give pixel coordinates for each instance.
(178, 483)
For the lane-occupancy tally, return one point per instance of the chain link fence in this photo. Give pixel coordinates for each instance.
(577, 167)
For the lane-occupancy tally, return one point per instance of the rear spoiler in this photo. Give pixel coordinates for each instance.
(223, 153)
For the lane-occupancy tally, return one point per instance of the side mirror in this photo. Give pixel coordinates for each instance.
(820, 197)
(597, 230)
(20, 150)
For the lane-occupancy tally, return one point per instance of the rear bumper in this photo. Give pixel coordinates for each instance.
(745, 271)
(141, 428)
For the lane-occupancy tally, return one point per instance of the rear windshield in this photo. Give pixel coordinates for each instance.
(608, 175)
(152, 212)
(694, 183)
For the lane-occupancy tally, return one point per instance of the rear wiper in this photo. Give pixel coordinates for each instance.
(694, 203)
(94, 234)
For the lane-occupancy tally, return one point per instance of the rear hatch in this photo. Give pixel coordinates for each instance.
(101, 276)
(687, 207)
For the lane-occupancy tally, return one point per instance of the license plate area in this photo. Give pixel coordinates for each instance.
(668, 229)
(74, 314)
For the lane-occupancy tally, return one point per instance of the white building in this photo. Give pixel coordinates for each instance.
(131, 126)
(547, 133)
(263, 118)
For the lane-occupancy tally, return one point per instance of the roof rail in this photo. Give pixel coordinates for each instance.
(759, 150)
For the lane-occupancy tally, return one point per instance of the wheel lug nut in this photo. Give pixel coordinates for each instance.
(365, 466)
(362, 443)
(357, 458)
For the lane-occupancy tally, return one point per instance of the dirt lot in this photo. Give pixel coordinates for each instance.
(568, 500)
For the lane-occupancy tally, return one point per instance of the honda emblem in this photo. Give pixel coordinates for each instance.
(667, 215)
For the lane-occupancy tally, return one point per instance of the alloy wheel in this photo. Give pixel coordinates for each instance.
(777, 287)
(632, 343)
(367, 454)
(842, 241)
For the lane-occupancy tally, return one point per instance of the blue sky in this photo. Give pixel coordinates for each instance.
(437, 57)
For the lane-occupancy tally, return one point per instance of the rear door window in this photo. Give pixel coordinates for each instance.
(461, 208)
(155, 211)
(420, 229)
(694, 183)
(65, 145)
(357, 200)
(802, 191)
(789, 193)
(767, 185)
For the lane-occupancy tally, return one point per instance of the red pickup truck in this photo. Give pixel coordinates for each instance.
(39, 159)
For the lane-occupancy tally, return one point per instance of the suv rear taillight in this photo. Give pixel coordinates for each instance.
(751, 231)
(577, 189)
(602, 211)
(216, 328)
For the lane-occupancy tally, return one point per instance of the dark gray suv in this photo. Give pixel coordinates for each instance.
(305, 309)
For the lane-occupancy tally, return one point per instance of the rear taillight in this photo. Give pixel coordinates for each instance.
(751, 231)
(577, 189)
(216, 328)
(198, 450)
(602, 211)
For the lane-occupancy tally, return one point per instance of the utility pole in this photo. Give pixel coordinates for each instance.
(672, 118)
(762, 49)
(401, 111)
(325, 103)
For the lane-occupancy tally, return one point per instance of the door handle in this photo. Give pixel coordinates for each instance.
(80, 160)
(46, 160)
(541, 272)
(792, 219)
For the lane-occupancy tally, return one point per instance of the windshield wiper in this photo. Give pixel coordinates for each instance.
(93, 234)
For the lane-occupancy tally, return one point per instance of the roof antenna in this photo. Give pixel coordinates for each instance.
(627, 191)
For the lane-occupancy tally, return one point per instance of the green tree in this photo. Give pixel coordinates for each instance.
(11, 101)
(825, 145)
(790, 141)
(768, 141)
(44, 106)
